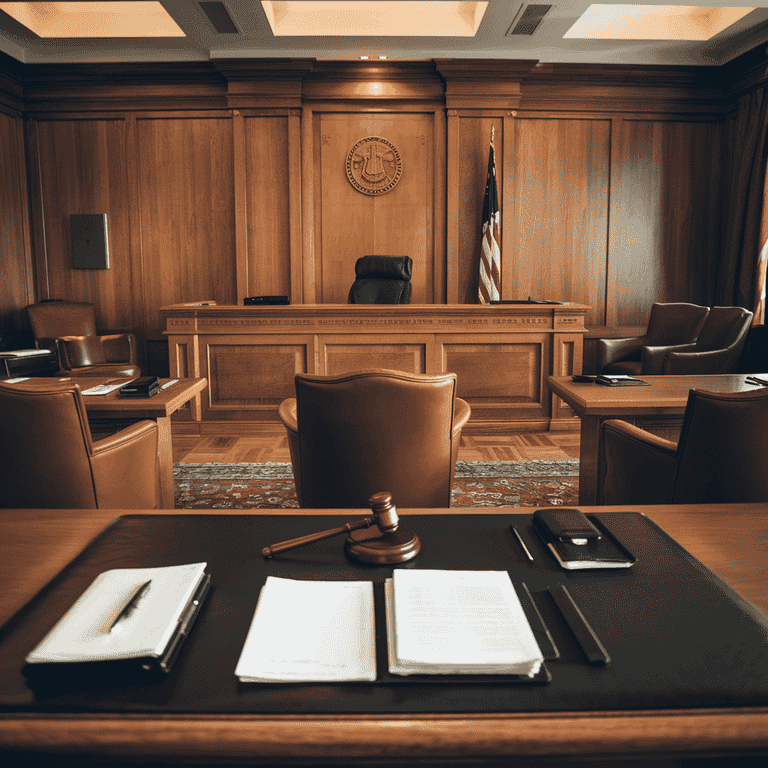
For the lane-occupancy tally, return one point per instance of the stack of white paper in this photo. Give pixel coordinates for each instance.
(458, 622)
(310, 631)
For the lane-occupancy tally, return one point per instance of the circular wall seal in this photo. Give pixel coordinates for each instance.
(374, 166)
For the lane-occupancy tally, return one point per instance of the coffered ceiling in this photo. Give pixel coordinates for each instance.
(196, 30)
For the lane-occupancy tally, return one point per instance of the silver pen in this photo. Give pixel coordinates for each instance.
(514, 530)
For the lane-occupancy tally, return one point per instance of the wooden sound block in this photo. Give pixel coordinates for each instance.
(370, 545)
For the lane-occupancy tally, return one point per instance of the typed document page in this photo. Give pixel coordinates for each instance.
(310, 631)
(458, 622)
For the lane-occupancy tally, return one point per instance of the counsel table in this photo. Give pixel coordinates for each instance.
(732, 541)
(666, 396)
(111, 411)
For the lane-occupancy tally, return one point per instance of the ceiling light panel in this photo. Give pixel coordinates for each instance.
(654, 22)
(373, 18)
(94, 19)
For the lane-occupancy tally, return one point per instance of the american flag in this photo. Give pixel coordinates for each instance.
(489, 288)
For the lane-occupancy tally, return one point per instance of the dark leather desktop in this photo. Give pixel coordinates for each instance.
(677, 635)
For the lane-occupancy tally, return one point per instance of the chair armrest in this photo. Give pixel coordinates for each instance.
(654, 357)
(611, 350)
(461, 414)
(120, 348)
(289, 415)
(639, 467)
(714, 361)
(126, 472)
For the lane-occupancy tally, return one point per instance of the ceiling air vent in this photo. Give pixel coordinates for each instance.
(526, 23)
(219, 17)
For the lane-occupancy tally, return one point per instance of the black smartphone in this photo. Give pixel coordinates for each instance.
(569, 525)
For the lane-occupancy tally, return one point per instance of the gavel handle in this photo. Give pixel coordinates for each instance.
(302, 540)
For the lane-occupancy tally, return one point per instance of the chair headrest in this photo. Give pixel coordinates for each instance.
(384, 267)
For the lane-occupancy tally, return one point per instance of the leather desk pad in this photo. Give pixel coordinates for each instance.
(678, 636)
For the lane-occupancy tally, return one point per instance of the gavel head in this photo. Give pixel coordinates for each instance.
(384, 511)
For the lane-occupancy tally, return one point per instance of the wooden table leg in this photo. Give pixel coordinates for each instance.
(165, 457)
(589, 460)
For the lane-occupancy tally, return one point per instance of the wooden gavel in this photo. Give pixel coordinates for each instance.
(390, 546)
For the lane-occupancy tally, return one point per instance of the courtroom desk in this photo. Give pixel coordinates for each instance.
(664, 400)
(501, 354)
(110, 413)
(732, 540)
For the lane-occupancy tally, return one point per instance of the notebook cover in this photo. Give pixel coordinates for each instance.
(663, 622)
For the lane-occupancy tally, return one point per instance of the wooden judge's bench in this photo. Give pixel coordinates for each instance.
(501, 354)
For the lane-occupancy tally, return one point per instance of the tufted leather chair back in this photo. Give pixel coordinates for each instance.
(382, 280)
(675, 323)
(375, 430)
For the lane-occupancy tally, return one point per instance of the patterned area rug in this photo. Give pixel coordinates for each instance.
(476, 484)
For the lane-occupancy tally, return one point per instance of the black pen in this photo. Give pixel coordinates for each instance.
(592, 647)
(130, 606)
(514, 530)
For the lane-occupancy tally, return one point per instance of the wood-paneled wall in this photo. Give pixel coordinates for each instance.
(16, 273)
(225, 180)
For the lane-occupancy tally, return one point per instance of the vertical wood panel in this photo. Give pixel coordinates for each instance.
(308, 155)
(186, 184)
(295, 237)
(82, 169)
(439, 282)
(398, 223)
(241, 206)
(559, 219)
(16, 274)
(452, 208)
(268, 205)
(664, 216)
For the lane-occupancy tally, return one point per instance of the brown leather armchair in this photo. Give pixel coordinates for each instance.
(721, 457)
(718, 347)
(49, 460)
(69, 328)
(668, 325)
(354, 435)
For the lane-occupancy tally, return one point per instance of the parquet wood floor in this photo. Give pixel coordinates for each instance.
(273, 446)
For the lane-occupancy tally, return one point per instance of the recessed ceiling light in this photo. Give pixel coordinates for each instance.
(374, 18)
(95, 19)
(654, 22)
(365, 57)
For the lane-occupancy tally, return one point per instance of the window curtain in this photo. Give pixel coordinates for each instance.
(740, 264)
(762, 265)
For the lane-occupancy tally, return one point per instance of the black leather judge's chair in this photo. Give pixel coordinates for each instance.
(49, 460)
(382, 280)
(668, 325)
(721, 456)
(718, 347)
(69, 328)
(356, 434)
